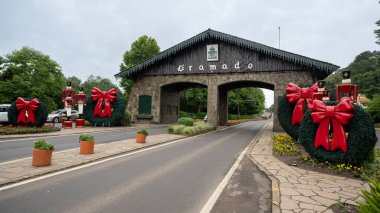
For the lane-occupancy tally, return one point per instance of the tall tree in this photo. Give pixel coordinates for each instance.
(29, 73)
(104, 84)
(248, 101)
(142, 49)
(75, 82)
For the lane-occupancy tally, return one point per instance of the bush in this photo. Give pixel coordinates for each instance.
(143, 131)
(26, 130)
(41, 115)
(360, 142)
(86, 138)
(199, 128)
(372, 198)
(374, 108)
(42, 145)
(237, 117)
(199, 115)
(186, 121)
(127, 118)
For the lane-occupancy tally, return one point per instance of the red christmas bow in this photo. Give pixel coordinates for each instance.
(100, 96)
(26, 106)
(339, 115)
(299, 95)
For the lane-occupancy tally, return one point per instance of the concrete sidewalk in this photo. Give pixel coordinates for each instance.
(297, 190)
(22, 169)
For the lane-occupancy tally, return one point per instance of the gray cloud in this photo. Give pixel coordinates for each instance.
(89, 37)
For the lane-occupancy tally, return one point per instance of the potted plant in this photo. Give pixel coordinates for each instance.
(42, 153)
(141, 136)
(86, 144)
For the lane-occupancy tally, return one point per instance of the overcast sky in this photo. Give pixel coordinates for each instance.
(90, 36)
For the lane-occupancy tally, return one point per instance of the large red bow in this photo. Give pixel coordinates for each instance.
(299, 95)
(26, 107)
(339, 115)
(100, 96)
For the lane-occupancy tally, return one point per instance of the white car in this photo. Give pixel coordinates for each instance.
(56, 116)
(4, 113)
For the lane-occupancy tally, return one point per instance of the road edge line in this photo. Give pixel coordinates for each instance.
(219, 189)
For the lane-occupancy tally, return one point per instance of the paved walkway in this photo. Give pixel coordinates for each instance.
(298, 190)
(21, 169)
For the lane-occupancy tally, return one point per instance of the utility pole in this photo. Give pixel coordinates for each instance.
(279, 37)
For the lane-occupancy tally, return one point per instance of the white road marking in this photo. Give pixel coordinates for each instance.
(105, 160)
(218, 191)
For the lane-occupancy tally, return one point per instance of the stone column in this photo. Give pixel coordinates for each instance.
(212, 104)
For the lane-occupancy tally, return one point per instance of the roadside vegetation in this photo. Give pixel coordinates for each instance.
(187, 126)
(8, 130)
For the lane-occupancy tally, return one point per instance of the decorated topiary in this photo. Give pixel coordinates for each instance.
(361, 137)
(105, 108)
(285, 108)
(31, 113)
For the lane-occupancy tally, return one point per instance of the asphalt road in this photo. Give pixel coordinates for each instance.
(20, 148)
(179, 177)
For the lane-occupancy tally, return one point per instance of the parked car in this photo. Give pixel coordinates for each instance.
(56, 116)
(4, 113)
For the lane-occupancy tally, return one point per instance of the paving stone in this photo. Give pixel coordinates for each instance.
(332, 196)
(304, 199)
(324, 201)
(304, 186)
(306, 192)
(307, 211)
(288, 204)
(288, 191)
(328, 211)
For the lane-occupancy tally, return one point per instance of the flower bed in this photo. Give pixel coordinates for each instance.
(198, 128)
(6, 130)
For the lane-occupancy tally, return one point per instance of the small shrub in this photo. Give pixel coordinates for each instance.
(86, 138)
(170, 129)
(186, 121)
(198, 128)
(43, 145)
(27, 130)
(372, 198)
(127, 118)
(143, 131)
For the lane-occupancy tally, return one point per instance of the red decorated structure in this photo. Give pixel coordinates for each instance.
(81, 102)
(68, 98)
(347, 90)
(27, 109)
(339, 115)
(298, 95)
(104, 100)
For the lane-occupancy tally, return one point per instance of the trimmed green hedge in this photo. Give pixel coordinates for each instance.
(198, 128)
(186, 121)
(41, 115)
(118, 113)
(360, 142)
(26, 130)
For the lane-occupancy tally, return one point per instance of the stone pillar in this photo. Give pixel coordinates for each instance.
(223, 107)
(212, 104)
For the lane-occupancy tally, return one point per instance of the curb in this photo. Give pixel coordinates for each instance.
(276, 199)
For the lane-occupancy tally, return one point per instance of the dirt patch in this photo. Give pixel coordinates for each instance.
(343, 207)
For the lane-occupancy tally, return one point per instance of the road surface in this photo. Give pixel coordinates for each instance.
(20, 148)
(177, 177)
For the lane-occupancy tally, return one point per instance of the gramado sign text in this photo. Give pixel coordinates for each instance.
(212, 67)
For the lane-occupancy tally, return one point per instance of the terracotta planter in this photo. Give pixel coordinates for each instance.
(140, 138)
(79, 123)
(87, 147)
(67, 124)
(41, 157)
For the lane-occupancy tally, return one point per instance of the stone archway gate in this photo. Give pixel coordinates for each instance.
(220, 62)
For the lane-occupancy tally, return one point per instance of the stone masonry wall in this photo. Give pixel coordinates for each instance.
(151, 85)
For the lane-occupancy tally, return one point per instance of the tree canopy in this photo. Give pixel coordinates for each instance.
(365, 72)
(103, 84)
(142, 49)
(248, 101)
(29, 73)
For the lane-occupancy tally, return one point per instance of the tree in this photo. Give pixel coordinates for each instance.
(75, 82)
(374, 108)
(365, 72)
(103, 84)
(248, 101)
(29, 73)
(143, 48)
(193, 100)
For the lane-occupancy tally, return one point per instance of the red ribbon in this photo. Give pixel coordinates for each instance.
(100, 96)
(26, 106)
(299, 95)
(339, 115)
